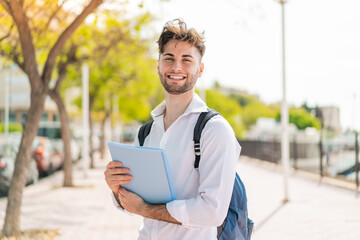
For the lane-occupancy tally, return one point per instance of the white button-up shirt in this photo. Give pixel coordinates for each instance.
(203, 194)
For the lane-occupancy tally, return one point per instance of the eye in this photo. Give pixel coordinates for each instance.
(187, 60)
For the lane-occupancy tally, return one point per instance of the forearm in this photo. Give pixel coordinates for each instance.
(158, 212)
(133, 203)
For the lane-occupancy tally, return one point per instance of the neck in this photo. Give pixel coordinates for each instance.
(176, 106)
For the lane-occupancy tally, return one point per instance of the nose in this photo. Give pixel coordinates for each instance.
(177, 66)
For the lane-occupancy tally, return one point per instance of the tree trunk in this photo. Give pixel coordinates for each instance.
(66, 138)
(102, 138)
(92, 161)
(18, 181)
(39, 87)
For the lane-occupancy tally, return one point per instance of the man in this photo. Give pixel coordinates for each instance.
(203, 193)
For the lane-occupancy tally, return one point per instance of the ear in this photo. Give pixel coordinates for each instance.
(201, 69)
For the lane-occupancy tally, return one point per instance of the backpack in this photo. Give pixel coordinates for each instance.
(237, 225)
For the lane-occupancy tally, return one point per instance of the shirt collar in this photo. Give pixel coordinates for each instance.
(196, 105)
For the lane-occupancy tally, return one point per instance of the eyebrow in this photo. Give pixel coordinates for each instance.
(187, 55)
(172, 55)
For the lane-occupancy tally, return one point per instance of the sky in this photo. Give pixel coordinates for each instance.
(243, 40)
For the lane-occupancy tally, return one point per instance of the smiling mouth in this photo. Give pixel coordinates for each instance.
(176, 77)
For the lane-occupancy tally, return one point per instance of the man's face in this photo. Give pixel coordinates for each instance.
(179, 67)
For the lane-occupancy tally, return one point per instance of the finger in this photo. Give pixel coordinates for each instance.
(115, 171)
(119, 177)
(113, 164)
(120, 170)
(118, 182)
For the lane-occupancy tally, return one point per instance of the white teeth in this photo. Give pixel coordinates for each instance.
(176, 77)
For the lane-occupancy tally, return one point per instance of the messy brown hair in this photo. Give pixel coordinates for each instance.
(177, 29)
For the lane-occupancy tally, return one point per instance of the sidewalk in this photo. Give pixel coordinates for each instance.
(83, 212)
(315, 211)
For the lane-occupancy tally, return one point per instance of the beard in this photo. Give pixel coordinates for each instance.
(177, 90)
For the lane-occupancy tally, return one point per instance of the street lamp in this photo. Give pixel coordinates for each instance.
(85, 116)
(284, 111)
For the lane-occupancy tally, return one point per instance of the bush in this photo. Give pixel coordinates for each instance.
(301, 118)
(13, 127)
(228, 108)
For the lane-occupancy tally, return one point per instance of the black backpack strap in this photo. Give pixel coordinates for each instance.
(200, 124)
(144, 132)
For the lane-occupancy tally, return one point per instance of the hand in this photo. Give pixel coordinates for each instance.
(114, 175)
(132, 202)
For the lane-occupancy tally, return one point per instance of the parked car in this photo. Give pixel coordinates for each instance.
(47, 155)
(52, 130)
(8, 152)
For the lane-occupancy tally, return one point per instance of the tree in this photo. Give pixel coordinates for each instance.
(256, 109)
(253, 108)
(306, 107)
(244, 99)
(121, 65)
(55, 95)
(19, 46)
(301, 118)
(101, 41)
(228, 108)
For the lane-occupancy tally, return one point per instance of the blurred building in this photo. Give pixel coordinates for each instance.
(330, 118)
(267, 129)
(19, 97)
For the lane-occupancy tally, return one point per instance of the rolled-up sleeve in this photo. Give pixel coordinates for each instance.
(219, 154)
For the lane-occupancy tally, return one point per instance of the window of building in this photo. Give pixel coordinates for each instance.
(12, 117)
(23, 117)
(44, 117)
(56, 118)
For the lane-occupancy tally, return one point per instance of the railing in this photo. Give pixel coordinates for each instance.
(330, 157)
